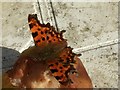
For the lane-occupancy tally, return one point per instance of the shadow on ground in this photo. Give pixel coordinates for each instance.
(9, 56)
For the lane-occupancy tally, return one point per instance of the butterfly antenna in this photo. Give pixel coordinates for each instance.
(40, 12)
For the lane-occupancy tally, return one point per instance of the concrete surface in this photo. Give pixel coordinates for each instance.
(15, 30)
(91, 29)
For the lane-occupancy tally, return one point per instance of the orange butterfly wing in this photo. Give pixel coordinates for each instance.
(45, 36)
(63, 65)
(43, 33)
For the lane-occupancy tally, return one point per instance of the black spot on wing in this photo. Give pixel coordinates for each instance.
(67, 59)
(41, 32)
(34, 34)
(58, 77)
(31, 25)
(46, 32)
(54, 70)
(39, 29)
(51, 65)
(47, 38)
(37, 41)
(43, 38)
(49, 41)
(48, 24)
(61, 67)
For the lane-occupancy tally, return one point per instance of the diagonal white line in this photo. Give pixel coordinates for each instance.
(95, 46)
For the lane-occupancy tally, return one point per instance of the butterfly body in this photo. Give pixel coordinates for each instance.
(43, 53)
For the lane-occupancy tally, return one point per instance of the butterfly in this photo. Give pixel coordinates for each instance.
(53, 49)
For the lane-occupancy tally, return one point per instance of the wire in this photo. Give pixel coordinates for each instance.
(54, 16)
(40, 11)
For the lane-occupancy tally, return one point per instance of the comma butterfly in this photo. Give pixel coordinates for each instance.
(55, 52)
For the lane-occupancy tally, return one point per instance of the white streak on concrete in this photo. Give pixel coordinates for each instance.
(95, 46)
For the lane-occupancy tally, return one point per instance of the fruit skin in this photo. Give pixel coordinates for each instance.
(42, 75)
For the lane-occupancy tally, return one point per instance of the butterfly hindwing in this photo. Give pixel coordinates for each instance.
(63, 65)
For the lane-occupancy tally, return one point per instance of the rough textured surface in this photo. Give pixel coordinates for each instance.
(102, 66)
(86, 24)
(15, 32)
(15, 24)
